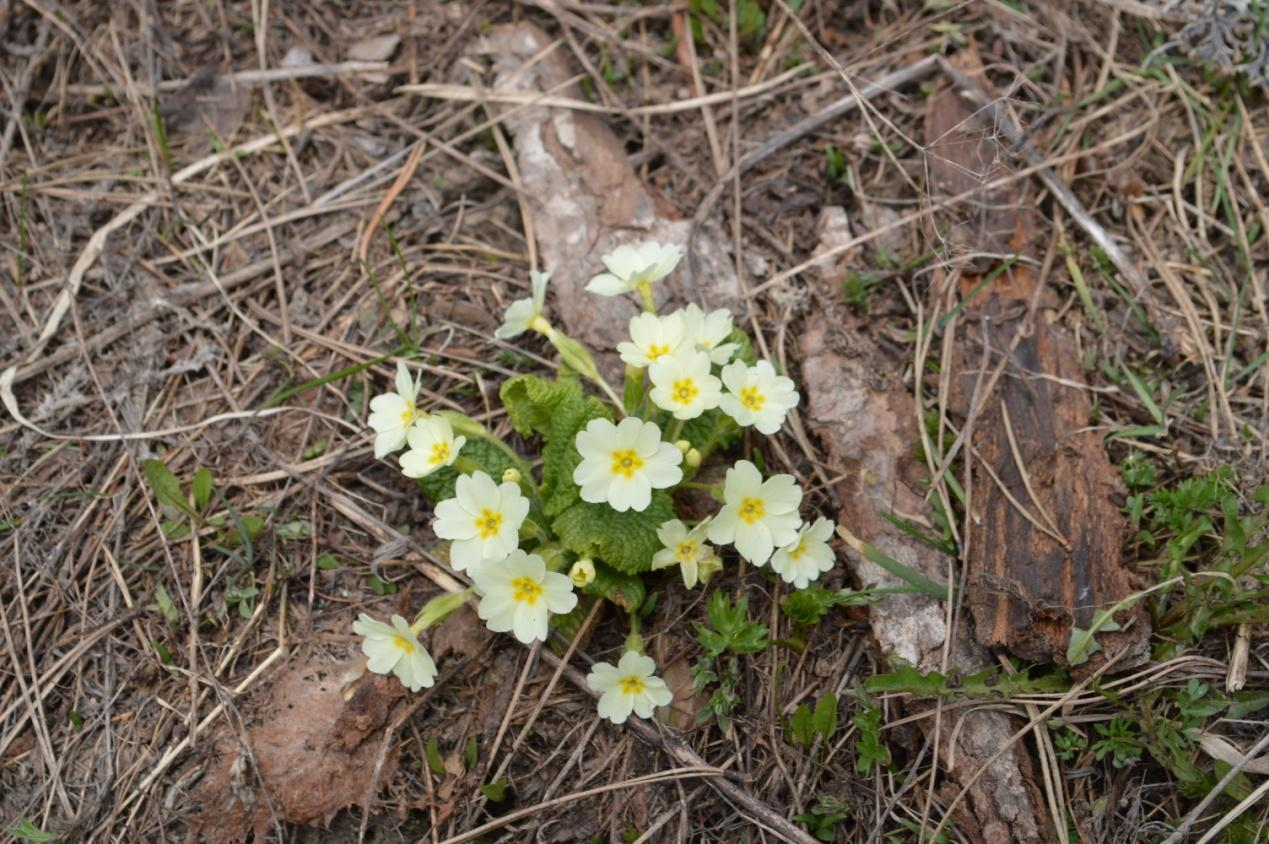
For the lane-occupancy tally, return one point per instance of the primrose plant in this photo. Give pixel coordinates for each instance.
(600, 515)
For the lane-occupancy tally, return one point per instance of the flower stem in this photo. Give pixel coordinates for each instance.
(676, 430)
(612, 395)
(467, 466)
(634, 642)
(645, 293)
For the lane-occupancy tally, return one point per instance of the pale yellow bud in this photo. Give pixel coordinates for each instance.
(582, 573)
(682, 445)
(512, 476)
(692, 458)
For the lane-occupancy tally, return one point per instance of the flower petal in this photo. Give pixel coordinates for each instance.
(605, 284)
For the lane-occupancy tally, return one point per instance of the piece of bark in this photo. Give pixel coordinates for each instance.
(866, 421)
(585, 197)
(1032, 575)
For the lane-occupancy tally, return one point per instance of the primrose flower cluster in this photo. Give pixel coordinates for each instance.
(602, 512)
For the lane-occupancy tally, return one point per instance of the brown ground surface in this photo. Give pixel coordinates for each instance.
(218, 266)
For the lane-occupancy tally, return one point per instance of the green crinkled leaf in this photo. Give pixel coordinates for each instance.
(439, 485)
(624, 590)
(557, 410)
(560, 456)
(626, 541)
(530, 401)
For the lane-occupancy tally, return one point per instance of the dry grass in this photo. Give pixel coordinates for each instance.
(176, 262)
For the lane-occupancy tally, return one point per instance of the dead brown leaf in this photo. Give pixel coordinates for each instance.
(307, 754)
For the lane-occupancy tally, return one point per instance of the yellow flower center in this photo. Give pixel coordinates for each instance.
(488, 523)
(407, 415)
(402, 643)
(632, 685)
(440, 453)
(685, 390)
(526, 590)
(752, 398)
(626, 462)
(686, 550)
(752, 509)
(656, 350)
(796, 553)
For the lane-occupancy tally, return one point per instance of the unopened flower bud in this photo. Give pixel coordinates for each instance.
(692, 458)
(512, 476)
(582, 573)
(682, 445)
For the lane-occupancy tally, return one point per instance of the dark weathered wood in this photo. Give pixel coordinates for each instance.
(865, 416)
(1044, 551)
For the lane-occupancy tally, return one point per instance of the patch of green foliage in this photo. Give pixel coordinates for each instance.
(730, 634)
(823, 817)
(1210, 538)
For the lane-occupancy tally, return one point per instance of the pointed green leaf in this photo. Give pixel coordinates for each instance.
(825, 718)
(167, 489)
(801, 725)
(202, 488)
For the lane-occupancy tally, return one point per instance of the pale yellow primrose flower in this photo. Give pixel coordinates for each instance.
(757, 396)
(683, 385)
(392, 414)
(629, 686)
(483, 519)
(523, 314)
(807, 557)
(652, 338)
(758, 516)
(688, 550)
(622, 464)
(630, 266)
(432, 445)
(395, 649)
(519, 595)
(706, 332)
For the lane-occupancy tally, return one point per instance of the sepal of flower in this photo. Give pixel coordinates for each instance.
(440, 608)
(708, 566)
(432, 445)
(758, 516)
(757, 396)
(629, 686)
(652, 337)
(683, 385)
(395, 649)
(686, 549)
(623, 463)
(525, 314)
(392, 414)
(519, 594)
(807, 557)
(482, 519)
(706, 332)
(630, 267)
